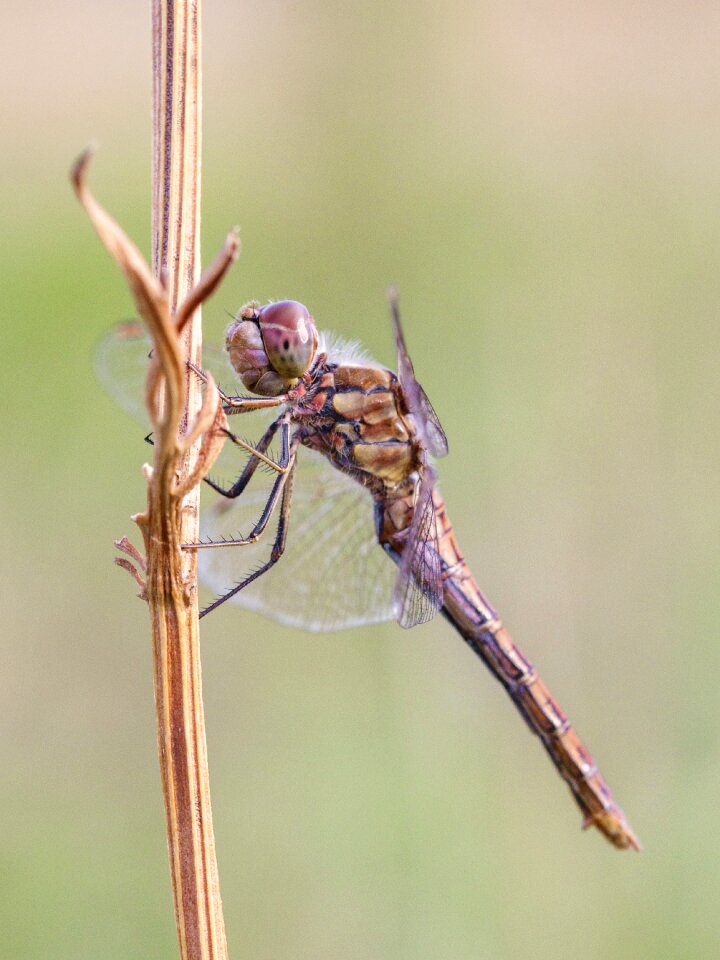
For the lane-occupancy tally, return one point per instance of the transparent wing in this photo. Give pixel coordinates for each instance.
(432, 431)
(121, 362)
(418, 593)
(333, 574)
(417, 400)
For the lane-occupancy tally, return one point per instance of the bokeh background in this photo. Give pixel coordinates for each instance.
(542, 182)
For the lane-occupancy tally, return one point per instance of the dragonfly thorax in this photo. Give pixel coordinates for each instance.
(271, 347)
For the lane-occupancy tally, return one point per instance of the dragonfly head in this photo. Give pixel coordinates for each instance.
(271, 347)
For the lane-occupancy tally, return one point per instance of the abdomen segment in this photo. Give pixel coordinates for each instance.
(477, 623)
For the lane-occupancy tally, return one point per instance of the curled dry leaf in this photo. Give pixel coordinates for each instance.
(152, 304)
(166, 370)
(211, 423)
(208, 282)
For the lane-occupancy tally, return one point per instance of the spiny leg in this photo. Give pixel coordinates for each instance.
(288, 480)
(257, 457)
(233, 405)
(254, 451)
(288, 458)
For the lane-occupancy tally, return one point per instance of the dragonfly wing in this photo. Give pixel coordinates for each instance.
(432, 430)
(418, 593)
(121, 362)
(333, 573)
(417, 400)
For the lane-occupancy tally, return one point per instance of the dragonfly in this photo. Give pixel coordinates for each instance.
(362, 534)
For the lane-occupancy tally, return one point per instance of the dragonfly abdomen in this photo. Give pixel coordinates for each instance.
(477, 622)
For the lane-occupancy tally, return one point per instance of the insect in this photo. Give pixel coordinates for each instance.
(366, 496)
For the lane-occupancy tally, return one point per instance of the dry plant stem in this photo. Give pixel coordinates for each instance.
(186, 445)
(187, 440)
(173, 515)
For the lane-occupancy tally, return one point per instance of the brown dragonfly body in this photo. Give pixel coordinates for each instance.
(356, 416)
(380, 430)
(377, 427)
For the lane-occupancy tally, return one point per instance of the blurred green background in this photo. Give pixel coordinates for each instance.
(542, 182)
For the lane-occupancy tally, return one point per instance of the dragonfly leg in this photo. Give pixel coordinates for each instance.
(233, 405)
(258, 452)
(287, 460)
(257, 457)
(286, 480)
(251, 466)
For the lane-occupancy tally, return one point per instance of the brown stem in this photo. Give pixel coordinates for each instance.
(187, 440)
(172, 573)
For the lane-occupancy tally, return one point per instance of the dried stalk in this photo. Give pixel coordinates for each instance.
(187, 439)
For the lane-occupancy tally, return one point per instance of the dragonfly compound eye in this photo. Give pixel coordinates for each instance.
(246, 350)
(290, 338)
